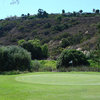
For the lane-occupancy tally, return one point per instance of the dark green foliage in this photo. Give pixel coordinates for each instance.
(35, 65)
(14, 58)
(97, 11)
(71, 58)
(59, 18)
(80, 69)
(63, 11)
(74, 13)
(98, 27)
(81, 11)
(28, 14)
(37, 50)
(42, 13)
(60, 27)
(23, 16)
(66, 42)
(57, 28)
(45, 51)
(95, 56)
(47, 25)
(11, 72)
(33, 47)
(21, 28)
(98, 43)
(63, 35)
(77, 38)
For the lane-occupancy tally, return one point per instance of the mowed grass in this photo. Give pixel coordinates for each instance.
(51, 86)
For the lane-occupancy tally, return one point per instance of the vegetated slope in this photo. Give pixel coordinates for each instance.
(81, 32)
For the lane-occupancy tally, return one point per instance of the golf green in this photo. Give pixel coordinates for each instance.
(51, 86)
(62, 79)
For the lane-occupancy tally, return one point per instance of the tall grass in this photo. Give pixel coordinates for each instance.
(47, 65)
(80, 69)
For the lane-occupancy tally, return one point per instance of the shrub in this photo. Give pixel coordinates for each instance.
(71, 58)
(35, 65)
(63, 35)
(47, 65)
(58, 27)
(78, 69)
(47, 25)
(14, 58)
(95, 56)
(66, 42)
(59, 18)
(45, 51)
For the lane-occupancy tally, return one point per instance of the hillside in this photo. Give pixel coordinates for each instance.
(75, 32)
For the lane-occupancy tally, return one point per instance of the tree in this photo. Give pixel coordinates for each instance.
(97, 11)
(94, 10)
(66, 42)
(23, 15)
(71, 58)
(45, 14)
(37, 50)
(14, 58)
(28, 14)
(42, 13)
(34, 47)
(81, 11)
(45, 51)
(63, 11)
(74, 13)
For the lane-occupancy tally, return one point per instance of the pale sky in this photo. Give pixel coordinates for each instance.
(51, 6)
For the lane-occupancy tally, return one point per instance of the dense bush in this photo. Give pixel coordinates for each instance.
(14, 58)
(95, 56)
(71, 58)
(35, 65)
(44, 51)
(48, 65)
(66, 42)
(37, 50)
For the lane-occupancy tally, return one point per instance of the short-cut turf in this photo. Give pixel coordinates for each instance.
(50, 86)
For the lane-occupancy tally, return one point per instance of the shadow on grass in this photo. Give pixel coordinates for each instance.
(13, 72)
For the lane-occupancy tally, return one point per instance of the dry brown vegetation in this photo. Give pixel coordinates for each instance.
(82, 30)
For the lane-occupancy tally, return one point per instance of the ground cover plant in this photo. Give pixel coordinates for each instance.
(48, 65)
(50, 86)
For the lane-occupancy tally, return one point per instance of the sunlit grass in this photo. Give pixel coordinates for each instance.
(50, 86)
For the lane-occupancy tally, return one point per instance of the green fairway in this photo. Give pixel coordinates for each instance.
(50, 86)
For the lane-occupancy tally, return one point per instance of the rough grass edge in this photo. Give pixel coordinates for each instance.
(79, 69)
(13, 72)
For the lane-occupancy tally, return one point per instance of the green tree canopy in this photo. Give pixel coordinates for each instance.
(37, 50)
